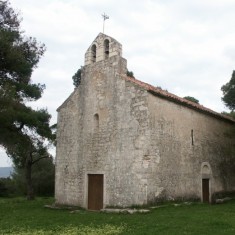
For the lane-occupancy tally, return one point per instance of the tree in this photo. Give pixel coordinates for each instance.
(43, 178)
(229, 93)
(77, 77)
(130, 74)
(7, 187)
(25, 154)
(229, 99)
(192, 99)
(23, 130)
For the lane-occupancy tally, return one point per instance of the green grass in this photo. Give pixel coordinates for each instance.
(18, 216)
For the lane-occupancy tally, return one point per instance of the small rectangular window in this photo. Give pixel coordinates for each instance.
(192, 137)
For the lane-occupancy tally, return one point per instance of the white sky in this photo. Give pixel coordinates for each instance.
(186, 47)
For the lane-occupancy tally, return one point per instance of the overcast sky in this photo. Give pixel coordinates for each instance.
(186, 47)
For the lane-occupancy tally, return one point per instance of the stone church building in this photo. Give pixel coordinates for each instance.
(123, 142)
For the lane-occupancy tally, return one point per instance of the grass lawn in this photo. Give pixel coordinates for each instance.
(18, 216)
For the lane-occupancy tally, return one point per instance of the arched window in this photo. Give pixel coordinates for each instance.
(96, 121)
(93, 53)
(106, 48)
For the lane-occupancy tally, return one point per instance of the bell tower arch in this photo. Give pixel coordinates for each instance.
(102, 48)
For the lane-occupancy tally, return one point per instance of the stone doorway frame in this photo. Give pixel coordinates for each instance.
(206, 174)
(86, 187)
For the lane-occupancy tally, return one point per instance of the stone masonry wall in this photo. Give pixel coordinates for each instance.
(184, 139)
(141, 145)
(147, 148)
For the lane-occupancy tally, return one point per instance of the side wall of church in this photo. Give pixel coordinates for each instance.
(182, 141)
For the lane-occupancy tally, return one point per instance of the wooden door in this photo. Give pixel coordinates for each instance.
(205, 190)
(95, 191)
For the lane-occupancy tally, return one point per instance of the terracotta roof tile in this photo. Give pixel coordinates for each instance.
(167, 95)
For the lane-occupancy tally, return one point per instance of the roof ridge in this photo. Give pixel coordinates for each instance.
(170, 96)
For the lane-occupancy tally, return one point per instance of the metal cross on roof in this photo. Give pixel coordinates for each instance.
(105, 17)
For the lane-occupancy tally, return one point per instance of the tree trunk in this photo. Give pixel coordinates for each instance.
(28, 175)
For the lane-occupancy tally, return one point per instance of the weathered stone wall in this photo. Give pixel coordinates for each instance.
(68, 147)
(181, 157)
(141, 143)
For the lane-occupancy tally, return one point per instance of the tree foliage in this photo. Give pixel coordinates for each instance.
(7, 187)
(130, 74)
(43, 178)
(23, 129)
(229, 93)
(77, 77)
(192, 99)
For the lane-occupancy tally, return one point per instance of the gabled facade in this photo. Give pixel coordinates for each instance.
(122, 142)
